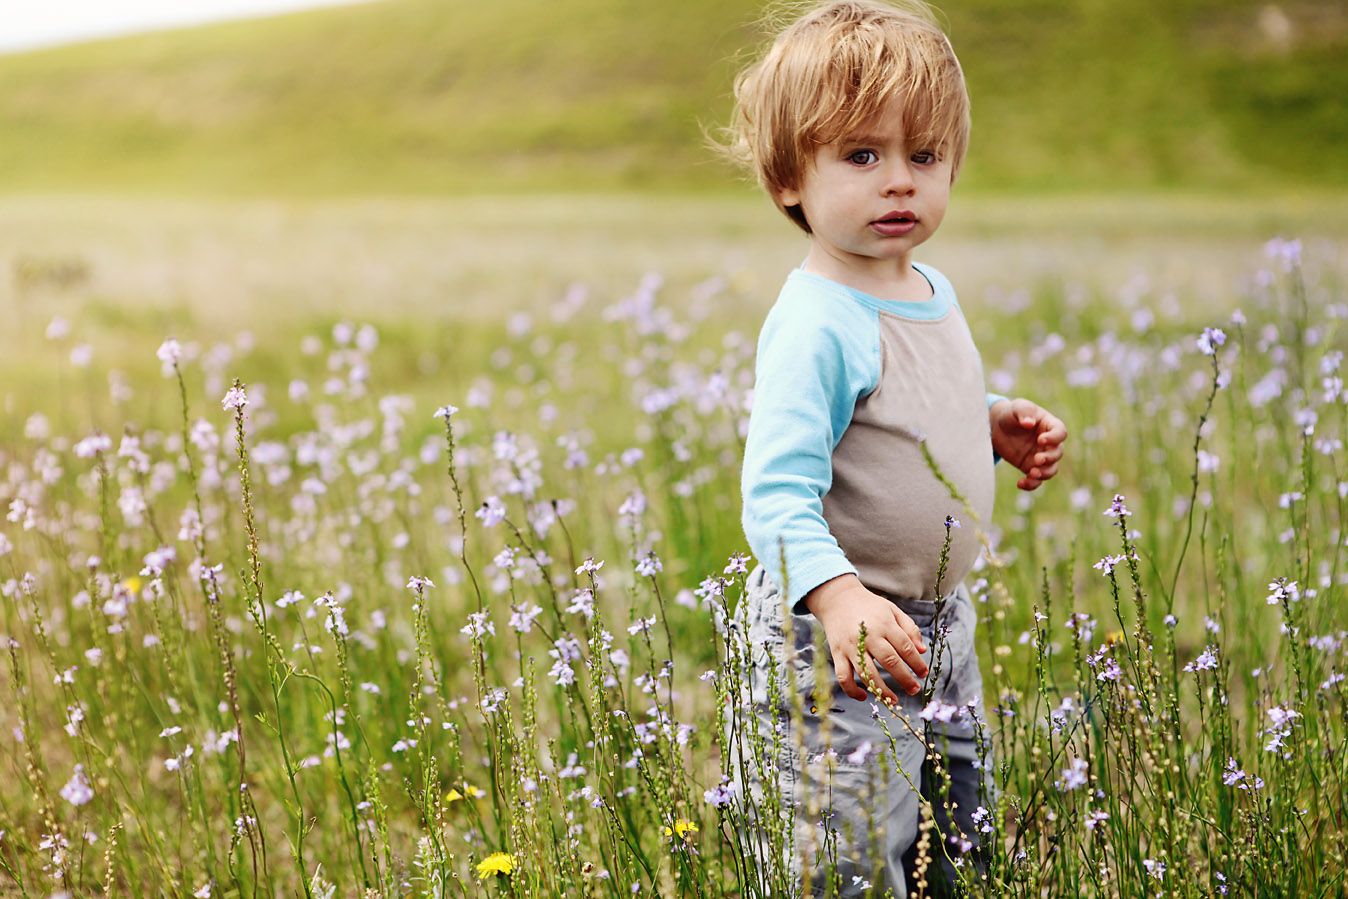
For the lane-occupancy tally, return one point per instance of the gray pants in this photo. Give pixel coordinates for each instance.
(852, 773)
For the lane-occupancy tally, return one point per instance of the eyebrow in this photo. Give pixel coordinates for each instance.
(856, 139)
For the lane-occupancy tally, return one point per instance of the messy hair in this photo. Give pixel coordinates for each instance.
(832, 70)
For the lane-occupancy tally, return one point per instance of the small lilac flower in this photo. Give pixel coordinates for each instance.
(939, 710)
(170, 352)
(492, 513)
(1282, 717)
(634, 506)
(1154, 868)
(1116, 508)
(641, 626)
(1074, 776)
(1106, 565)
(1282, 590)
(582, 603)
(1096, 818)
(415, 583)
(1210, 340)
(650, 566)
(445, 411)
(97, 442)
(1206, 661)
(721, 796)
(235, 398)
(861, 755)
(589, 565)
(479, 625)
(522, 619)
(1287, 252)
(1111, 671)
(77, 791)
(739, 564)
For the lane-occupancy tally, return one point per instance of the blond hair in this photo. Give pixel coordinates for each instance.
(834, 69)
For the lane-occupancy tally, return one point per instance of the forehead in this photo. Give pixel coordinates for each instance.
(886, 124)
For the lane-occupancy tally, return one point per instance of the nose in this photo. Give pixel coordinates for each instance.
(898, 179)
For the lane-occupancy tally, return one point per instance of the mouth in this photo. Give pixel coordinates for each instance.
(893, 224)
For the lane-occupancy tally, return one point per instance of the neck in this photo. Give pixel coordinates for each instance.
(886, 279)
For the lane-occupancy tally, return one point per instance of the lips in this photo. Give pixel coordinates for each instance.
(895, 223)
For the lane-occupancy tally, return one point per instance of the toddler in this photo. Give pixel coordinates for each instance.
(855, 122)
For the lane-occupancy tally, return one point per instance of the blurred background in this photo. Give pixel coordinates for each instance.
(435, 97)
(449, 158)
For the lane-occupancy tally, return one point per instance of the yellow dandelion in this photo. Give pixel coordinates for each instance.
(496, 863)
(469, 792)
(681, 828)
(1113, 637)
(132, 585)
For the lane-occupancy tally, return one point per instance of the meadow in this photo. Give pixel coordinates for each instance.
(391, 548)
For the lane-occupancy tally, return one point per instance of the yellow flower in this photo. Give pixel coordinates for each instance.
(1113, 637)
(682, 828)
(496, 863)
(469, 791)
(132, 585)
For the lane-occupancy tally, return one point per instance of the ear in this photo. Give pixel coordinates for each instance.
(788, 196)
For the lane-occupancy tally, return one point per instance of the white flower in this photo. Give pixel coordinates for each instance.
(170, 352)
(235, 398)
(445, 411)
(97, 442)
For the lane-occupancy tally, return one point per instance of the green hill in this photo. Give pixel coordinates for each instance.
(429, 96)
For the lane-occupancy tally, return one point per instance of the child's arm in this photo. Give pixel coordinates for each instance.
(1029, 437)
(815, 359)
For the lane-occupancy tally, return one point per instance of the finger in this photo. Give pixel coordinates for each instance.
(1053, 431)
(910, 630)
(1043, 472)
(842, 666)
(901, 672)
(903, 649)
(1027, 413)
(1028, 483)
(1048, 456)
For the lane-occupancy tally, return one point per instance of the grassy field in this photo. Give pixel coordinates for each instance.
(1174, 726)
(410, 97)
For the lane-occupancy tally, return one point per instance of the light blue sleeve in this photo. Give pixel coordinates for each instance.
(817, 355)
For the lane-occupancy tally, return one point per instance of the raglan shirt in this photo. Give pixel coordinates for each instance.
(847, 388)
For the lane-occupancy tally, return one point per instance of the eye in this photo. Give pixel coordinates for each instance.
(924, 157)
(862, 157)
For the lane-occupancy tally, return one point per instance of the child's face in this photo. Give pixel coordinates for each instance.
(870, 198)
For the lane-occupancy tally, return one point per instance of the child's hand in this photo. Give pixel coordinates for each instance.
(892, 639)
(1028, 437)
